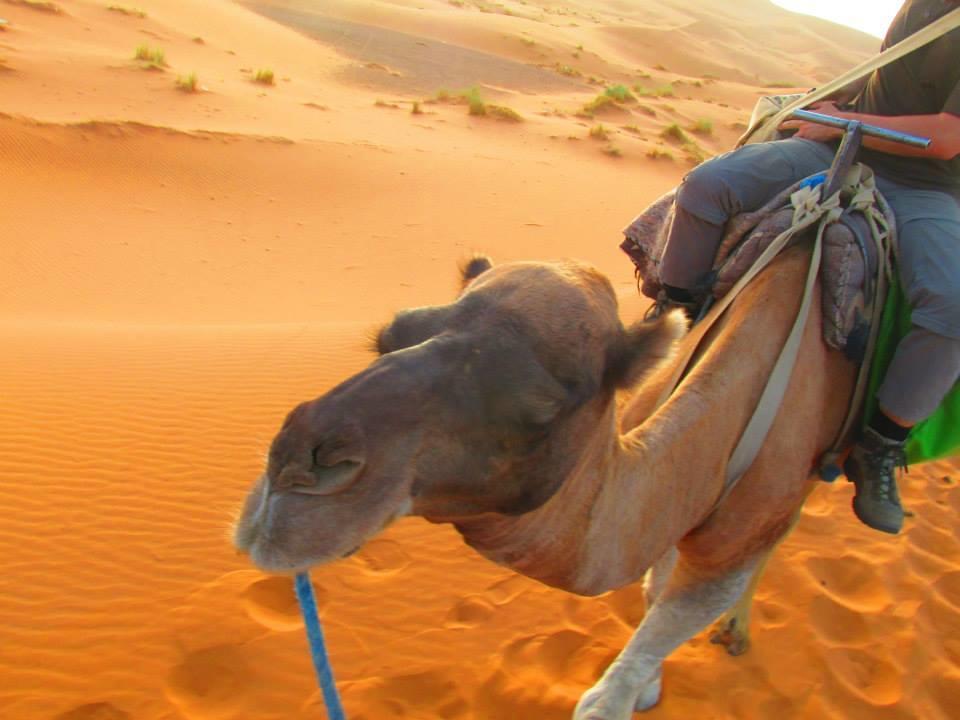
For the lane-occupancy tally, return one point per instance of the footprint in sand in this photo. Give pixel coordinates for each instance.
(837, 624)
(429, 694)
(272, 602)
(851, 581)
(210, 683)
(469, 611)
(867, 675)
(94, 711)
(939, 542)
(542, 676)
(382, 557)
(772, 614)
(944, 690)
(948, 588)
(472, 610)
(507, 590)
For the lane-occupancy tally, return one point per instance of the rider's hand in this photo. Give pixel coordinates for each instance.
(812, 131)
(816, 131)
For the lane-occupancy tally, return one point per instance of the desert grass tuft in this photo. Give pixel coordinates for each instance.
(153, 58)
(264, 76)
(415, 109)
(613, 151)
(599, 132)
(40, 5)
(188, 83)
(502, 112)
(674, 133)
(620, 94)
(657, 153)
(125, 10)
(600, 102)
(475, 103)
(703, 126)
(694, 153)
(657, 92)
(470, 97)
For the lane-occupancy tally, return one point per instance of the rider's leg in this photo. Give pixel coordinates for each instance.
(926, 364)
(740, 181)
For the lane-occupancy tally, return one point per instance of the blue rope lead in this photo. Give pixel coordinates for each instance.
(318, 651)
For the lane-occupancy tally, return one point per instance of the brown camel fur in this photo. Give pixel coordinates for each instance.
(499, 413)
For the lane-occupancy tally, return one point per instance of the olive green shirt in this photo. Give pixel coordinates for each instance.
(925, 82)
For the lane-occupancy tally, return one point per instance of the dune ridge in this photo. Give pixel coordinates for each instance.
(182, 268)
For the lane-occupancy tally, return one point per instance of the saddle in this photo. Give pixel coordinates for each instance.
(855, 242)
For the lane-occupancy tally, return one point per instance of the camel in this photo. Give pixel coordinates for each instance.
(504, 414)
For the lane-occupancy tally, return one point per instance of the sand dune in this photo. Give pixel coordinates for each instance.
(181, 268)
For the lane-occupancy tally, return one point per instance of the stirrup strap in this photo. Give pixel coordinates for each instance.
(922, 37)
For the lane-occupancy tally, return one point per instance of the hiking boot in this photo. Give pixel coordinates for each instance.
(664, 304)
(872, 467)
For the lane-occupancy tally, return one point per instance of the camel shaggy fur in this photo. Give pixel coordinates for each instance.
(503, 414)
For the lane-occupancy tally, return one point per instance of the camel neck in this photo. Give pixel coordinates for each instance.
(621, 507)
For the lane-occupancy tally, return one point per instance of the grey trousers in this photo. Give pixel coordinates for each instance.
(927, 363)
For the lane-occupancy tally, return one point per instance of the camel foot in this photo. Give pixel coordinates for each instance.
(620, 692)
(732, 635)
(650, 695)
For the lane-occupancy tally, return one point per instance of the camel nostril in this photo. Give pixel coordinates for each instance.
(292, 477)
(319, 480)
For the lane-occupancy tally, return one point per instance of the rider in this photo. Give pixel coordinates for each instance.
(918, 94)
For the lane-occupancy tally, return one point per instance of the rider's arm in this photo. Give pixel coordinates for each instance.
(848, 92)
(943, 129)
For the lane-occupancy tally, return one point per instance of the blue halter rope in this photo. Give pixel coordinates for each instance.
(318, 651)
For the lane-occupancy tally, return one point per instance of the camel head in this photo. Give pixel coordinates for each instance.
(474, 407)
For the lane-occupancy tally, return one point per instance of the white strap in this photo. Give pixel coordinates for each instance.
(759, 426)
(926, 35)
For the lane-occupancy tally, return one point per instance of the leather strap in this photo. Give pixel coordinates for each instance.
(922, 37)
(883, 233)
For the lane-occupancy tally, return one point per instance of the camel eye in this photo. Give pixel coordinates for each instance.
(332, 452)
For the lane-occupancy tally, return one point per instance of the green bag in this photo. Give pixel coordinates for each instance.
(936, 437)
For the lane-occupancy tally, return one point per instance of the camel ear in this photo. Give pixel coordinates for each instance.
(644, 346)
(473, 268)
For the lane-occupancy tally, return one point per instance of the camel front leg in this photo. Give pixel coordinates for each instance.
(690, 602)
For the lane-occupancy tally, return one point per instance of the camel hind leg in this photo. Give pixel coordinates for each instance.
(690, 601)
(733, 629)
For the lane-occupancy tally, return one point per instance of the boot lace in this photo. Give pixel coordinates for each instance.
(883, 464)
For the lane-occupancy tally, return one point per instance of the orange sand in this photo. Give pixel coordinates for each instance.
(179, 269)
